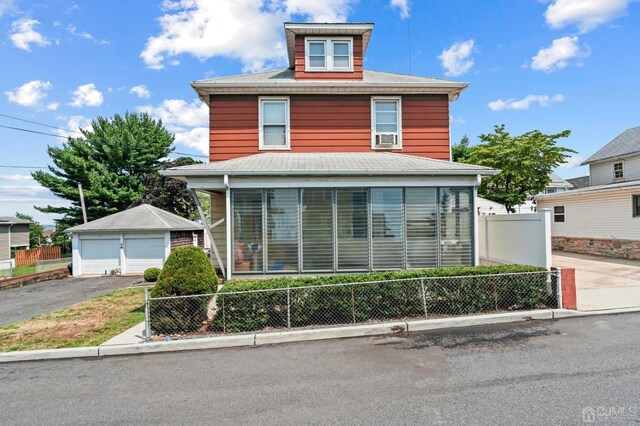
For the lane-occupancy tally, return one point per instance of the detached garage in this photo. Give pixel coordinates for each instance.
(131, 241)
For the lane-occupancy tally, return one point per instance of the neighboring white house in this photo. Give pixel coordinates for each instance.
(603, 218)
(488, 207)
(130, 241)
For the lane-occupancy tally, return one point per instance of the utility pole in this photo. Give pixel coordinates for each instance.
(84, 210)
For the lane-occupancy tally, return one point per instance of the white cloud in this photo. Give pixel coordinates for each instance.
(23, 34)
(6, 6)
(87, 95)
(457, 60)
(73, 125)
(16, 177)
(557, 56)
(572, 162)
(22, 190)
(246, 30)
(73, 30)
(140, 91)
(53, 106)
(524, 103)
(402, 6)
(29, 94)
(188, 121)
(585, 14)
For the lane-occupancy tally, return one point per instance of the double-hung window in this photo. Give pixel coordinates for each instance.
(274, 123)
(386, 122)
(558, 214)
(329, 54)
(636, 205)
(618, 170)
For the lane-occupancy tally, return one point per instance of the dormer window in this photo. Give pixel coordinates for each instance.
(329, 54)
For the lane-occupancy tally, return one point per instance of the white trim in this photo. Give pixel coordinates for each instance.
(328, 54)
(76, 260)
(287, 115)
(398, 99)
(227, 213)
(621, 178)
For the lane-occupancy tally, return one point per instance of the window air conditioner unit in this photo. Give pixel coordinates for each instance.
(386, 139)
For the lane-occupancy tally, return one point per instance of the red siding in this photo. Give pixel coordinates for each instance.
(329, 123)
(301, 74)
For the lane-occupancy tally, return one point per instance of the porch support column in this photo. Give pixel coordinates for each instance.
(228, 225)
(476, 218)
(207, 230)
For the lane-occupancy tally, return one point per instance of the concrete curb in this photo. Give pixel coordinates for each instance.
(259, 339)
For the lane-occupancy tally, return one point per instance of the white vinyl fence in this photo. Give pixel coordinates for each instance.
(515, 239)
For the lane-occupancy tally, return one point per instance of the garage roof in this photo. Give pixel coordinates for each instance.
(137, 219)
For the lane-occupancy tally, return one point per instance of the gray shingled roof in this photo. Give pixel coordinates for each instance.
(628, 142)
(579, 182)
(352, 163)
(288, 76)
(10, 220)
(558, 182)
(136, 219)
(591, 189)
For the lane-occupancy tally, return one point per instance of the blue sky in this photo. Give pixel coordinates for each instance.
(532, 64)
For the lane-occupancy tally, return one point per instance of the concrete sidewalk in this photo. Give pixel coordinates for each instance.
(603, 283)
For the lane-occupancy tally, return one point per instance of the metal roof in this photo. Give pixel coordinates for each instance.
(10, 220)
(558, 182)
(323, 164)
(591, 189)
(291, 29)
(137, 219)
(283, 82)
(627, 143)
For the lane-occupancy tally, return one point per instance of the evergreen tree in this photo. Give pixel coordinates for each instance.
(111, 161)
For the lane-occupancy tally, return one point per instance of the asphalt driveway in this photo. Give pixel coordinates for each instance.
(21, 303)
(602, 282)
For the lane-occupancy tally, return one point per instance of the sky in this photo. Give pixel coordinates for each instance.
(548, 65)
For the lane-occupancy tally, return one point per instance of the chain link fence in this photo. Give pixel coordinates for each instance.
(352, 303)
(53, 264)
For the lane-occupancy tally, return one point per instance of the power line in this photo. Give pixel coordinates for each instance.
(65, 137)
(32, 131)
(39, 124)
(5, 166)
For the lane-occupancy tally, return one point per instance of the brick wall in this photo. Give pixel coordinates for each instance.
(33, 278)
(622, 249)
(185, 238)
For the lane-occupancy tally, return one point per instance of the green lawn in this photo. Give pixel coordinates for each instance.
(24, 270)
(88, 323)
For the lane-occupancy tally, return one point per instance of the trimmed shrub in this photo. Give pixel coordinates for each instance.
(187, 271)
(475, 290)
(151, 274)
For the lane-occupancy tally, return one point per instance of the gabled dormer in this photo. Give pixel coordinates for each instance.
(327, 51)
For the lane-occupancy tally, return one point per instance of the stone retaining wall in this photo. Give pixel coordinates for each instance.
(622, 249)
(33, 278)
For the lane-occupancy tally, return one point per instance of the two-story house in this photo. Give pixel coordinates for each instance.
(326, 167)
(602, 218)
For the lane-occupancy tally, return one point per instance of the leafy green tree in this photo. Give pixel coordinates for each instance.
(110, 161)
(170, 194)
(461, 151)
(61, 238)
(36, 230)
(524, 161)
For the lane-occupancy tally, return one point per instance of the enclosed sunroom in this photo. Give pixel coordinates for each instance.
(290, 213)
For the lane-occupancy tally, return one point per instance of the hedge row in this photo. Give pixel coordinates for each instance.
(470, 292)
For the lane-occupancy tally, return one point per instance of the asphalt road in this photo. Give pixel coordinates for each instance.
(21, 303)
(529, 373)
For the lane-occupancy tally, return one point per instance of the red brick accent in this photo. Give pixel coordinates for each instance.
(568, 276)
(609, 247)
(185, 238)
(33, 278)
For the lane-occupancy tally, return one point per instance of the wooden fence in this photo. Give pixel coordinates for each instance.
(29, 257)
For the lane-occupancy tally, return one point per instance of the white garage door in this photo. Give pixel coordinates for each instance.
(142, 252)
(99, 255)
